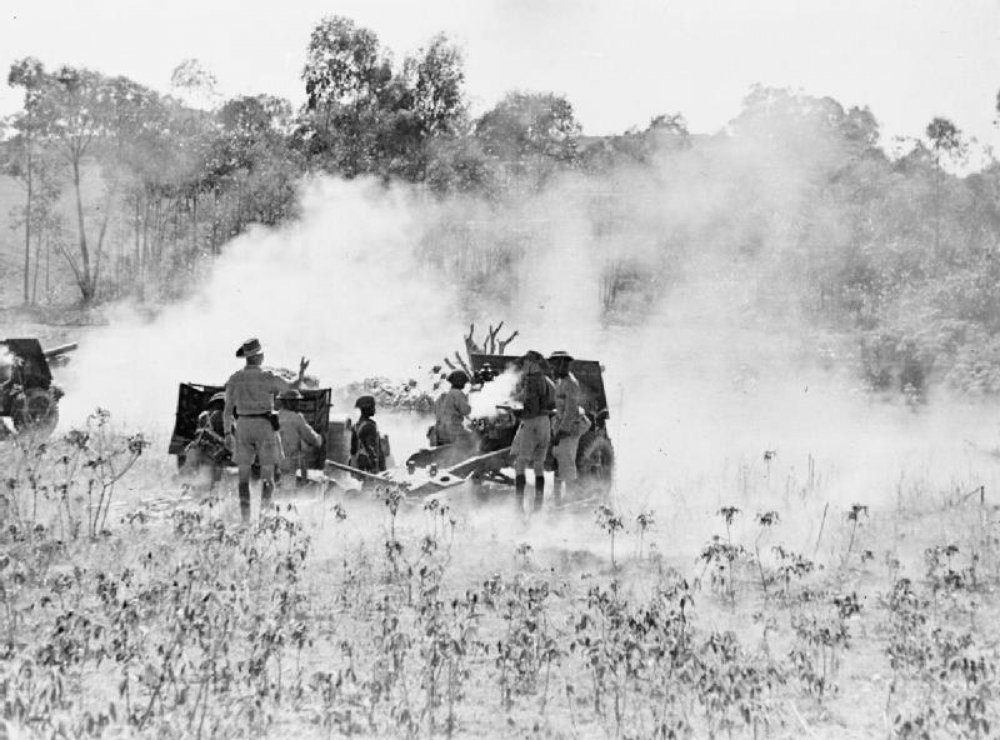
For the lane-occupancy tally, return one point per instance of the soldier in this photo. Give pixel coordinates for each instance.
(569, 424)
(451, 409)
(366, 447)
(536, 393)
(251, 423)
(297, 437)
(209, 443)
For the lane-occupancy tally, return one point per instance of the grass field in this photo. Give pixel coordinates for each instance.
(360, 613)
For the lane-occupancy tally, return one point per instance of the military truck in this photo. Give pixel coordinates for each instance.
(28, 397)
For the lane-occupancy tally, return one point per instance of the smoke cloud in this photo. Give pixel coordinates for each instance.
(684, 280)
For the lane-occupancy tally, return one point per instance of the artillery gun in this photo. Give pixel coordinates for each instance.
(191, 438)
(435, 469)
(28, 397)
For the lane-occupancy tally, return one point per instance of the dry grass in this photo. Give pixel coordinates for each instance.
(343, 614)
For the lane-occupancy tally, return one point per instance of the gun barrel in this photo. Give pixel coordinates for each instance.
(62, 349)
(356, 471)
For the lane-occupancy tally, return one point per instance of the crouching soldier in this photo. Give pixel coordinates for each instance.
(208, 448)
(299, 441)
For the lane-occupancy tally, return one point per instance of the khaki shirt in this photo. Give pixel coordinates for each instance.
(251, 391)
(567, 405)
(452, 408)
(296, 434)
(536, 393)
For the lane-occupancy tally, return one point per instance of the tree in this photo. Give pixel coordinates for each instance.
(346, 75)
(85, 117)
(438, 97)
(530, 134)
(364, 117)
(29, 74)
(195, 84)
(251, 153)
(946, 141)
(71, 109)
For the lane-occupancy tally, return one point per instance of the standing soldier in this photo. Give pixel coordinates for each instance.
(569, 423)
(366, 447)
(532, 438)
(452, 409)
(297, 437)
(251, 423)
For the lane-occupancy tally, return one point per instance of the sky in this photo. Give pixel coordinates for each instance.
(619, 63)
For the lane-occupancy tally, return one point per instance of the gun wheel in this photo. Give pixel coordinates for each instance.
(595, 461)
(39, 414)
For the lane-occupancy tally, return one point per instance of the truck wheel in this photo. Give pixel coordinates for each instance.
(595, 461)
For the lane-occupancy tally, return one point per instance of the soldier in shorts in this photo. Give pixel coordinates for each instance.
(252, 424)
(569, 423)
(532, 439)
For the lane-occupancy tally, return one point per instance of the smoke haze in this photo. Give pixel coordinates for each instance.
(685, 282)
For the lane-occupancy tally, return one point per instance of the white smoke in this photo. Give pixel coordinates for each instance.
(700, 385)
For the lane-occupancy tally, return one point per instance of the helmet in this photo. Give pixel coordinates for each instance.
(560, 355)
(219, 397)
(289, 394)
(365, 402)
(458, 378)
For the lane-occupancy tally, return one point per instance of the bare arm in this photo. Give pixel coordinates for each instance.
(227, 413)
(308, 433)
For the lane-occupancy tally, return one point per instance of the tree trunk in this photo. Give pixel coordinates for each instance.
(99, 250)
(84, 281)
(27, 225)
(38, 253)
(48, 272)
(194, 228)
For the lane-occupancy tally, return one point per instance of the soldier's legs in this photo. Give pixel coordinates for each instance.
(519, 482)
(244, 488)
(536, 440)
(269, 453)
(266, 486)
(565, 455)
(255, 439)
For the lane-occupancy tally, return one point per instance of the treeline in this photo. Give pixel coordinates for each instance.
(132, 189)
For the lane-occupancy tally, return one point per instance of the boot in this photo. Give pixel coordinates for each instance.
(244, 489)
(519, 483)
(539, 491)
(266, 494)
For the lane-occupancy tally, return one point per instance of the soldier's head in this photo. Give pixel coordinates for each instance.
(252, 351)
(458, 379)
(560, 362)
(533, 362)
(366, 405)
(287, 399)
(217, 401)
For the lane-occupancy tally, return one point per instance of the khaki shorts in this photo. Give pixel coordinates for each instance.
(565, 455)
(256, 438)
(531, 443)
